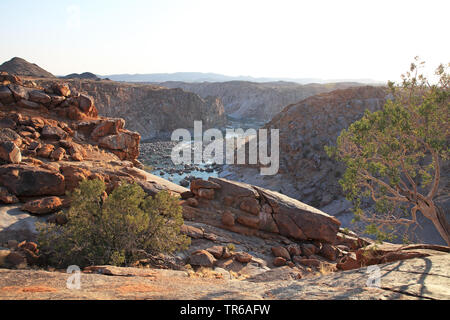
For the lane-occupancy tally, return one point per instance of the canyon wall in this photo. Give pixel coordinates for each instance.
(260, 101)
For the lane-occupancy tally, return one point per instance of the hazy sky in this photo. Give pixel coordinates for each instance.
(324, 39)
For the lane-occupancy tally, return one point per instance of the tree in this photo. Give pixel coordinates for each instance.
(117, 229)
(394, 156)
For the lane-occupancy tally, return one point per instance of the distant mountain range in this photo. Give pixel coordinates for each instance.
(22, 67)
(215, 77)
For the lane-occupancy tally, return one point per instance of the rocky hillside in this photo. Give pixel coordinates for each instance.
(260, 101)
(153, 111)
(306, 172)
(22, 67)
(243, 236)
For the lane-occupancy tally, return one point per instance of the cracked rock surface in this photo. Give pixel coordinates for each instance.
(422, 278)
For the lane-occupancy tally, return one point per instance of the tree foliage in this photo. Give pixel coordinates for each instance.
(394, 156)
(114, 230)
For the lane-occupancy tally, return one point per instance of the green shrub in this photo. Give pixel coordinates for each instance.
(117, 230)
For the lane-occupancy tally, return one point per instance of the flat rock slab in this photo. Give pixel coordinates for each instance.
(422, 278)
(16, 224)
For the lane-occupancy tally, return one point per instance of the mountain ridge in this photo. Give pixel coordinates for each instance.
(21, 67)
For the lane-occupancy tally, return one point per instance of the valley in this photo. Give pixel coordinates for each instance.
(263, 232)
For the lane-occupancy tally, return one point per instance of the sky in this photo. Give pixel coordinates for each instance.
(342, 39)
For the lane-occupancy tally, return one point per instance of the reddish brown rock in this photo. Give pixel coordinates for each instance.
(186, 195)
(7, 123)
(202, 258)
(73, 176)
(26, 180)
(107, 127)
(294, 250)
(58, 154)
(233, 189)
(300, 221)
(228, 219)
(46, 150)
(73, 113)
(43, 206)
(248, 221)
(228, 201)
(53, 133)
(329, 252)
(9, 152)
(243, 257)
(250, 205)
(61, 89)
(308, 249)
(191, 231)
(206, 193)
(19, 92)
(85, 103)
(6, 134)
(279, 262)
(28, 104)
(203, 184)
(309, 262)
(348, 263)
(281, 252)
(6, 96)
(125, 144)
(6, 197)
(353, 242)
(216, 251)
(39, 97)
(192, 202)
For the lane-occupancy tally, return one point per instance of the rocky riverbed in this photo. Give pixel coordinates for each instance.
(155, 155)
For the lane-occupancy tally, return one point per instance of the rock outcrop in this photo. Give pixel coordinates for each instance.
(152, 111)
(238, 230)
(258, 209)
(416, 279)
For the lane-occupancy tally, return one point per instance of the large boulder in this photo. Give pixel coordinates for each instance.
(300, 221)
(233, 189)
(43, 206)
(107, 127)
(9, 152)
(202, 258)
(53, 133)
(61, 89)
(7, 134)
(19, 92)
(85, 103)
(124, 144)
(27, 180)
(6, 95)
(39, 97)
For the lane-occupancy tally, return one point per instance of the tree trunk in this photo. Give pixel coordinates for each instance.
(438, 217)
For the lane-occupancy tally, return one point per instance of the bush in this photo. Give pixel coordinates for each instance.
(117, 230)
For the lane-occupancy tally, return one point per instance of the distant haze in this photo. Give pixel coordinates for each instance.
(321, 40)
(214, 77)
